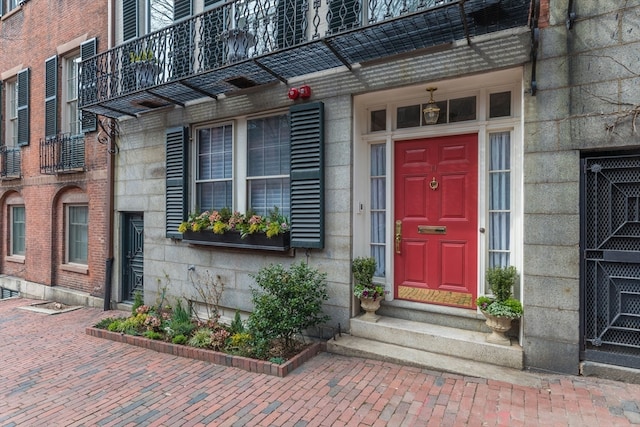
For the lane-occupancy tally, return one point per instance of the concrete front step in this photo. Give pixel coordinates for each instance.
(435, 339)
(348, 345)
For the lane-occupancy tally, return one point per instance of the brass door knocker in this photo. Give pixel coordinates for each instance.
(433, 184)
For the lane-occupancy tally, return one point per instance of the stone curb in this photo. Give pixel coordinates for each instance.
(211, 356)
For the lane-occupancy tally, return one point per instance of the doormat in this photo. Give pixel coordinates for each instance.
(433, 296)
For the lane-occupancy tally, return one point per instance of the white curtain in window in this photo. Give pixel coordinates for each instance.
(499, 198)
(378, 207)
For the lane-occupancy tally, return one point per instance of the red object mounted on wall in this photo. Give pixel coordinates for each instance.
(294, 93)
(305, 91)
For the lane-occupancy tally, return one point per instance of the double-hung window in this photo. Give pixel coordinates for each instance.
(18, 229)
(268, 164)
(214, 171)
(77, 234)
(72, 115)
(12, 113)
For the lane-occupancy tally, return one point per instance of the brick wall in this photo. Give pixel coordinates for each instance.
(28, 36)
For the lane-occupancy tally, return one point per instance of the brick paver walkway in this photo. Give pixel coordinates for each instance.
(53, 374)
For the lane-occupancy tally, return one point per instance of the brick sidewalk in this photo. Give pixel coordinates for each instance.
(53, 374)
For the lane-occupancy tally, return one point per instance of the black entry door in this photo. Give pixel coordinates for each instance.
(611, 260)
(132, 255)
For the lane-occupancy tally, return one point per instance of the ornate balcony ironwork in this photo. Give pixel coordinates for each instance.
(62, 154)
(246, 43)
(10, 162)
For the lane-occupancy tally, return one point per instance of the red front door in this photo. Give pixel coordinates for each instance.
(436, 225)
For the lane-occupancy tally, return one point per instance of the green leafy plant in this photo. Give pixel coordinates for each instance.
(142, 56)
(137, 301)
(363, 269)
(224, 220)
(501, 281)
(201, 338)
(179, 339)
(153, 335)
(286, 302)
(237, 325)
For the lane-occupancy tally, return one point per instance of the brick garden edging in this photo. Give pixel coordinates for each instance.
(216, 357)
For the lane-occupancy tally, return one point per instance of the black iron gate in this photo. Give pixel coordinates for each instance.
(132, 255)
(610, 245)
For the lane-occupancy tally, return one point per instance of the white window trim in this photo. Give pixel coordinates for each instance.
(65, 123)
(481, 86)
(74, 265)
(239, 163)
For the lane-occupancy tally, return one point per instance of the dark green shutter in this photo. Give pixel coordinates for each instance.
(23, 107)
(307, 175)
(182, 54)
(51, 97)
(176, 184)
(129, 19)
(88, 93)
(345, 14)
(291, 23)
(182, 9)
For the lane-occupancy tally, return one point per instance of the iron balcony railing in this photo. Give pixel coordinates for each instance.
(245, 43)
(10, 162)
(61, 154)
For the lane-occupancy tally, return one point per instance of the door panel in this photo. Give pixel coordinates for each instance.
(435, 198)
(133, 256)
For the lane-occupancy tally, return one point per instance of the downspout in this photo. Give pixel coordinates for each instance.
(110, 173)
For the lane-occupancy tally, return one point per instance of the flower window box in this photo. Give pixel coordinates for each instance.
(233, 239)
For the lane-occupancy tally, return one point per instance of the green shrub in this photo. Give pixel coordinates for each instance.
(137, 301)
(237, 325)
(240, 343)
(104, 323)
(201, 338)
(153, 335)
(179, 339)
(286, 303)
(180, 313)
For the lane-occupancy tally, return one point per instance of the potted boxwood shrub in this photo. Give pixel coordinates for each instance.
(370, 294)
(501, 308)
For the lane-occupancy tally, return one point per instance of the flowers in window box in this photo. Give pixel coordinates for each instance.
(224, 220)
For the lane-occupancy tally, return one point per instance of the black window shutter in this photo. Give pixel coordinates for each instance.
(182, 9)
(51, 97)
(23, 107)
(182, 54)
(307, 175)
(129, 19)
(291, 23)
(345, 14)
(88, 49)
(176, 184)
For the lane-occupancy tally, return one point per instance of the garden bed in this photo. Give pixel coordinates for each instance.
(211, 356)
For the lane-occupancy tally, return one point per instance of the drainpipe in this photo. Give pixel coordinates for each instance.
(110, 172)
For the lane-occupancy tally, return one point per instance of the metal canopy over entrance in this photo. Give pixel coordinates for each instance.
(211, 54)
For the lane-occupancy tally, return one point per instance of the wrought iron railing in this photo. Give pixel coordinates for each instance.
(241, 30)
(10, 162)
(63, 153)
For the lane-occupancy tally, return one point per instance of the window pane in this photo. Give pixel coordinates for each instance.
(378, 217)
(408, 116)
(378, 120)
(18, 230)
(268, 151)
(499, 199)
(77, 239)
(500, 104)
(160, 14)
(214, 170)
(462, 109)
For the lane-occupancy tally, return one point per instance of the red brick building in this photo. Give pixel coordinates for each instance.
(54, 164)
